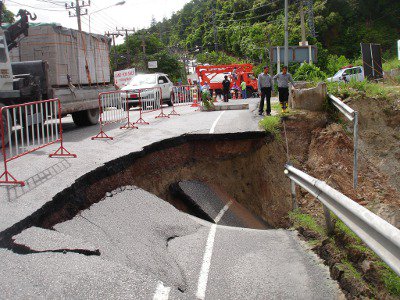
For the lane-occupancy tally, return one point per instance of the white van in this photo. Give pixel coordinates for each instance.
(347, 74)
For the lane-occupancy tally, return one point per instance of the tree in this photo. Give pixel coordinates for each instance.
(6, 15)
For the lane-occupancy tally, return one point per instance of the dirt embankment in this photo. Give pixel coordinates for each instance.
(325, 151)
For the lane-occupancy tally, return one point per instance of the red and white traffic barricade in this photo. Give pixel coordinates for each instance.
(28, 127)
(149, 100)
(114, 108)
(184, 95)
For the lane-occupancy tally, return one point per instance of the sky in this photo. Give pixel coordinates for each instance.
(135, 14)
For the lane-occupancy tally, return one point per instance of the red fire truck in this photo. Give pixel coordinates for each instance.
(214, 75)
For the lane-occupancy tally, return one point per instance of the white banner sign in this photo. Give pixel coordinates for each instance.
(398, 47)
(122, 78)
(152, 64)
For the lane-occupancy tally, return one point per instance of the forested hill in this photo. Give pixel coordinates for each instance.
(244, 28)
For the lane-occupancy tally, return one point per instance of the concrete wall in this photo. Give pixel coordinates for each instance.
(309, 98)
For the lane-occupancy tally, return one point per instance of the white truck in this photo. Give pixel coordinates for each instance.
(54, 62)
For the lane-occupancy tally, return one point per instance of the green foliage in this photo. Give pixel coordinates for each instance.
(307, 72)
(168, 64)
(391, 64)
(271, 124)
(390, 279)
(306, 221)
(354, 88)
(217, 58)
(335, 63)
(7, 16)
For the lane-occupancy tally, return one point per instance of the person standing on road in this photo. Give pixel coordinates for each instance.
(243, 86)
(265, 87)
(226, 86)
(283, 80)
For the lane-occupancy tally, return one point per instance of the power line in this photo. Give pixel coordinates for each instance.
(254, 8)
(254, 17)
(34, 7)
(78, 11)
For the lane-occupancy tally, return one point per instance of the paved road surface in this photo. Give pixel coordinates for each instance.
(135, 246)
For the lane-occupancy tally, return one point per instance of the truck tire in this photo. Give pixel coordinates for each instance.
(5, 126)
(86, 117)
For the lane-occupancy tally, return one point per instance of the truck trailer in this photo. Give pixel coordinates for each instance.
(50, 61)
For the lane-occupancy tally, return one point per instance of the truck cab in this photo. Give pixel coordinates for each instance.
(6, 75)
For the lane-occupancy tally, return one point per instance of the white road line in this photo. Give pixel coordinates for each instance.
(162, 292)
(205, 268)
(222, 212)
(215, 122)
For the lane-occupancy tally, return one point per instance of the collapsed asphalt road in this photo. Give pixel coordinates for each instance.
(133, 245)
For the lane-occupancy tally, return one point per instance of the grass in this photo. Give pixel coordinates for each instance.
(306, 221)
(391, 64)
(271, 124)
(388, 278)
(354, 88)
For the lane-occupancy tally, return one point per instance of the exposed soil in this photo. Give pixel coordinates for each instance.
(324, 149)
(326, 152)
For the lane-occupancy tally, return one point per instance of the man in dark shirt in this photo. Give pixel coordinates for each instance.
(226, 86)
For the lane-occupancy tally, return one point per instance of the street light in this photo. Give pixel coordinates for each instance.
(116, 4)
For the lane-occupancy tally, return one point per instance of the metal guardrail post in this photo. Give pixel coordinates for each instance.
(293, 192)
(352, 116)
(355, 168)
(328, 220)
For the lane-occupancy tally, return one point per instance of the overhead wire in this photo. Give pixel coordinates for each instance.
(247, 10)
(34, 7)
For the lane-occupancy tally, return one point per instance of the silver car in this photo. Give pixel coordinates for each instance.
(146, 85)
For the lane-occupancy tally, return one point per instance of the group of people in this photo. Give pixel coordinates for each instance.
(226, 89)
(266, 87)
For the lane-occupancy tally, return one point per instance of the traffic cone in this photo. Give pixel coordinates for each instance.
(195, 98)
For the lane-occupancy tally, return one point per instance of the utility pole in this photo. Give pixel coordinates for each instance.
(303, 25)
(215, 31)
(1, 12)
(77, 7)
(286, 56)
(311, 18)
(128, 51)
(113, 35)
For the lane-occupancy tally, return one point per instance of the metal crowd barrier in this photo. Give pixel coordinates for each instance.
(382, 237)
(352, 116)
(114, 108)
(28, 127)
(150, 100)
(183, 95)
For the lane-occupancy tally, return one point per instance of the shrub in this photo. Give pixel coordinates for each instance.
(307, 72)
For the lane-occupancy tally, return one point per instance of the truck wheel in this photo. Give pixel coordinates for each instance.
(5, 126)
(86, 117)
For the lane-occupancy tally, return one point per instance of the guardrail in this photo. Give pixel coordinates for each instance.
(382, 237)
(352, 116)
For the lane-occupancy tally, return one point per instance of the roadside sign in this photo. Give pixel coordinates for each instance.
(122, 77)
(152, 64)
(296, 54)
(398, 48)
(372, 60)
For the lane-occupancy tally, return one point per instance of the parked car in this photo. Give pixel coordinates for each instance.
(348, 73)
(141, 82)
